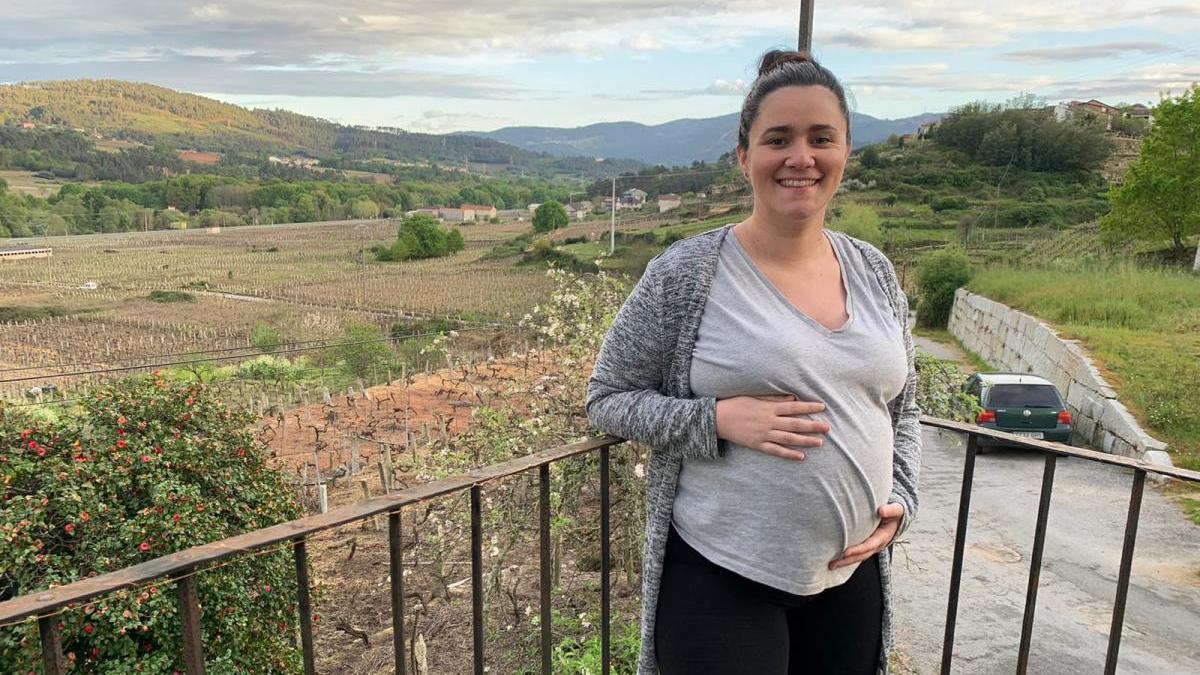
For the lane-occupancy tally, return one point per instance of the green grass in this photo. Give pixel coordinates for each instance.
(589, 250)
(696, 227)
(171, 296)
(1113, 297)
(1142, 325)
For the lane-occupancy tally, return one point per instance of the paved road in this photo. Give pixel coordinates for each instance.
(1078, 583)
(940, 350)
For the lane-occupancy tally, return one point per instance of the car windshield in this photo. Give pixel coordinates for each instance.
(1025, 395)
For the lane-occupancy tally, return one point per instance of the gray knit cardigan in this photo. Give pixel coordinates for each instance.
(640, 390)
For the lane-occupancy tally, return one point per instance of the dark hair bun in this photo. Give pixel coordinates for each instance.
(777, 58)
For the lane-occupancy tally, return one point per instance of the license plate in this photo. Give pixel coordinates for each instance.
(1028, 434)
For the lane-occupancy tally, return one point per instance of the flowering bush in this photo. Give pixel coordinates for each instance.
(580, 311)
(139, 469)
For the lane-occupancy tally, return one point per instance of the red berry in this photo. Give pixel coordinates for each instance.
(144, 546)
(121, 443)
(70, 528)
(89, 629)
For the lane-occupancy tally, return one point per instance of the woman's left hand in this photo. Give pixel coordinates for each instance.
(889, 523)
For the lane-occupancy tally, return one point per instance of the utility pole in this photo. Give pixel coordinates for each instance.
(612, 222)
(804, 42)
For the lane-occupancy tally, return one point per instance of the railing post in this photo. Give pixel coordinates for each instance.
(477, 579)
(189, 612)
(605, 562)
(52, 656)
(396, 565)
(304, 601)
(960, 541)
(1131, 527)
(1035, 562)
(544, 545)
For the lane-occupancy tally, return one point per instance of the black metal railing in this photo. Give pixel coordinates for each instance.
(1052, 452)
(183, 566)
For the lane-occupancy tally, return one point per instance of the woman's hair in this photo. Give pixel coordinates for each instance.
(779, 69)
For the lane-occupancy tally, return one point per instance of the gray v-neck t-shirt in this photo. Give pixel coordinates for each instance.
(779, 521)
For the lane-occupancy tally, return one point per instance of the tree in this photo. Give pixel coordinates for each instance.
(939, 275)
(1158, 199)
(550, 216)
(361, 349)
(421, 236)
(265, 338)
(859, 221)
(870, 157)
(364, 208)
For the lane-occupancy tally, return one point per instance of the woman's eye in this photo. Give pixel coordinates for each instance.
(822, 140)
(777, 141)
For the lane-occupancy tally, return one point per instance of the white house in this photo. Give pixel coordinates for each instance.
(668, 202)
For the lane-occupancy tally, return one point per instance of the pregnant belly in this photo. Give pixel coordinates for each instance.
(777, 514)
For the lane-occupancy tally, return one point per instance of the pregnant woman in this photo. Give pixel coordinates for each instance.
(769, 367)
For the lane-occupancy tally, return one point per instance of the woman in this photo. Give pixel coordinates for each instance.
(769, 367)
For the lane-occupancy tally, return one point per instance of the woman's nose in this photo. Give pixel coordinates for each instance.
(801, 157)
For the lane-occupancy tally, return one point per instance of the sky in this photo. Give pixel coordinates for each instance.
(439, 66)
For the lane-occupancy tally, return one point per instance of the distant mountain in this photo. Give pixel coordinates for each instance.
(156, 115)
(679, 142)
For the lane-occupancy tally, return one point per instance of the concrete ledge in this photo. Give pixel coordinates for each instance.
(1017, 342)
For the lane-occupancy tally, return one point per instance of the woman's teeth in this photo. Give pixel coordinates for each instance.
(798, 182)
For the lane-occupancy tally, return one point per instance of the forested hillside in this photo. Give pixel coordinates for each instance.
(156, 116)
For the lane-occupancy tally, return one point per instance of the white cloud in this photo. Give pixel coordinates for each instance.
(1105, 50)
(209, 12)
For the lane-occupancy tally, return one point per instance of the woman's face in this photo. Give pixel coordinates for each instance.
(797, 153)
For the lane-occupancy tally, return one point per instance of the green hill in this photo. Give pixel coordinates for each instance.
(155, 115)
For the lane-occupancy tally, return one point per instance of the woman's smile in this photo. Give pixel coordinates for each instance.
(798, 182)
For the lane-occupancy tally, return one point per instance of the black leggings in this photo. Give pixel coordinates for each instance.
(713, 620)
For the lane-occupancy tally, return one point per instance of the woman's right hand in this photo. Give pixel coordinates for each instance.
(770, 424)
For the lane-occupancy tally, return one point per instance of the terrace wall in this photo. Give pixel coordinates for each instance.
(1017, 342)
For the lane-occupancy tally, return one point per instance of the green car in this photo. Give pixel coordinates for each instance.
(1021, 404)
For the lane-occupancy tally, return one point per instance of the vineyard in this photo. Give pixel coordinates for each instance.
(120, 300)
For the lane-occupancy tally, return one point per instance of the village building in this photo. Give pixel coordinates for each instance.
(22, 252)
(294, 160)
(632, 198)
(579, 210)
(1067, 111)
(453, 215)
(668, 202)
(478, 212)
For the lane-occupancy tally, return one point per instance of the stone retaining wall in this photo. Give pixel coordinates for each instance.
(1017, 342)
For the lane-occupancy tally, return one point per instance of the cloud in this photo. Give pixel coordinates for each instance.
(209, 12)
(442, 121)
(230, 75)
(717, 88)
(1105, 50)
(913, 39)
(1140, 84)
